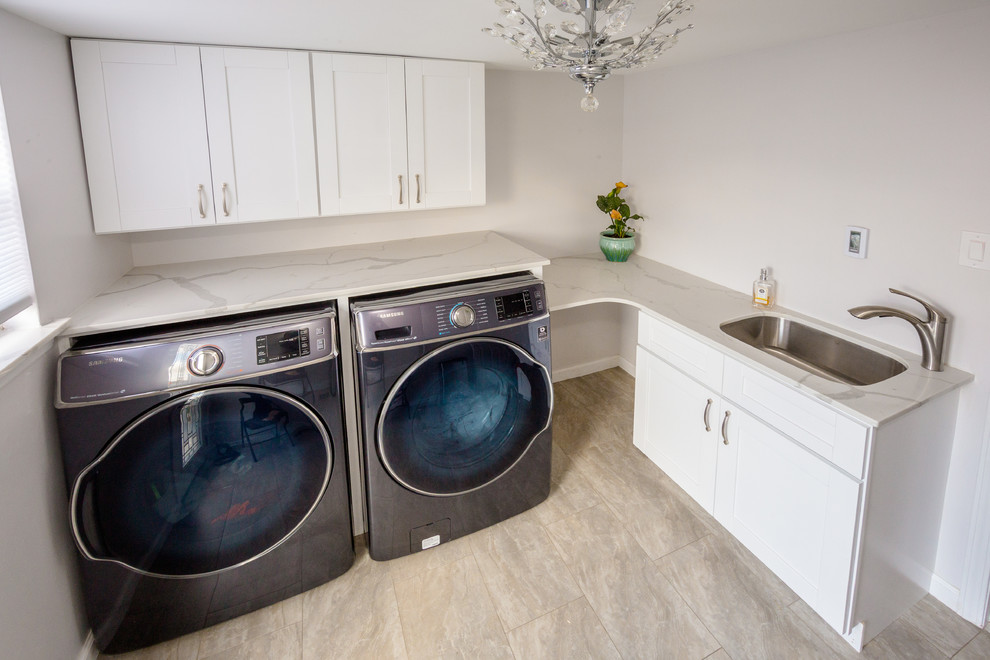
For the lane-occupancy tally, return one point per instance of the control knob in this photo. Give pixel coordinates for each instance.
(462, 316)
(205, 361)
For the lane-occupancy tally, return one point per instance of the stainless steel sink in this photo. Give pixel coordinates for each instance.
(814, 350)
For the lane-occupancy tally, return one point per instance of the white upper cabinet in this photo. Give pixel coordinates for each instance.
(259, 111)
(445, 116)
(398, 133)
(177, 136)
(361, 133)
(144, 133)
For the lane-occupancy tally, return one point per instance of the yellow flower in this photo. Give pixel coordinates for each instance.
(621, 185)
(615, 215)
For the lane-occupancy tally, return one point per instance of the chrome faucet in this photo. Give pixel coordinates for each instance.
(931, 330)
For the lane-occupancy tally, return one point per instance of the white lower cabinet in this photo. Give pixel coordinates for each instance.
(793, 510)
(676, 425)
(846, 514)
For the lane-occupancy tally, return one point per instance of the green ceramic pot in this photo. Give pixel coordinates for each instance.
(617, 249)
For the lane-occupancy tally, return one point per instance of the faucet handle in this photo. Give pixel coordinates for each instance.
(934, 314)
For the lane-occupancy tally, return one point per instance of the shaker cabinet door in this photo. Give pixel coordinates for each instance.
(445, 103)
(676, 425)
(361, 133)
(260, 115)
(793, 510)
(144, 132)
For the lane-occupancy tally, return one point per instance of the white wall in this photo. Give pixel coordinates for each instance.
(763, 159)
(546, 163)
(69, 262)
(41, 608)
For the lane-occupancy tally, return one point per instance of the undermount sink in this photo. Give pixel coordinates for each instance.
(814, 350)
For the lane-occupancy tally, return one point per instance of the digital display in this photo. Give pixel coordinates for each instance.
(282, 345)
(400, 332)
(511, 306)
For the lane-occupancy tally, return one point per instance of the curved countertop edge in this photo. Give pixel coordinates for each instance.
(173, 293)
(698, 307)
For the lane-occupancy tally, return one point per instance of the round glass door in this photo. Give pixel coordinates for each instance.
(463, 415)
(203, 482)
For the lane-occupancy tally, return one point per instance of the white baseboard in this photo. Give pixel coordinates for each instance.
(944, 592)
(88, 650)
(591, 367)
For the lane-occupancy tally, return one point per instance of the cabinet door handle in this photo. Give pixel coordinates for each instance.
(223, 196)
(400, 189)
(417, 189)
(708, 408)
(725, 425)
(199, 197)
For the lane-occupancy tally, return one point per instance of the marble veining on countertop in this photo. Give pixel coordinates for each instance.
(153, 295)
(699, 306)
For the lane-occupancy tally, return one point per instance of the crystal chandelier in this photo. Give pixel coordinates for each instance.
(589, 48)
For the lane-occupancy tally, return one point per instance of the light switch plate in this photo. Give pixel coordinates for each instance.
(974, 250)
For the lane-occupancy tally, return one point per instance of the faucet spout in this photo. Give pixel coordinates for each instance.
(931, 330)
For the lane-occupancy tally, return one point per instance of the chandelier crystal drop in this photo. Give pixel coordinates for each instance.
(589, 47)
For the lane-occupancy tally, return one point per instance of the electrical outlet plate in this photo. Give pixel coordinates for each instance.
(974, 250)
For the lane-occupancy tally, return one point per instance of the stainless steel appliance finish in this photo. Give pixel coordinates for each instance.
(207, 472)
(455, 400)
(814, 350)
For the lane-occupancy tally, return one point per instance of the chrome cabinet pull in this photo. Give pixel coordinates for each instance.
(199, 196)
(725, 424)
(400, 189)
(708, 408)
(223, 195)
(417, 189)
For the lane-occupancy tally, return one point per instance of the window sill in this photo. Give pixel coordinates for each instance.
(19, 346)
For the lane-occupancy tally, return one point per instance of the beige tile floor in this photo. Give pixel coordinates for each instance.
(617, 563)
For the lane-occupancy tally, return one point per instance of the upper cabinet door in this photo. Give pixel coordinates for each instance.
(260, 116)
(360, 133)
(445, 104)
(144, 132)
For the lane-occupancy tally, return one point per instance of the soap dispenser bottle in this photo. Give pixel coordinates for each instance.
(763, 291)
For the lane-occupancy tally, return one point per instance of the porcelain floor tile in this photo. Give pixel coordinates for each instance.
(829, 637)
(748, 619)
(643, 614)
(354, 616)
(235, 632)
(446, 612)
(525, 576)
(403, 568)
(977, 649)
(282, 644)
(901, 641)
(940, 625)
(571, 632)
(570, 491)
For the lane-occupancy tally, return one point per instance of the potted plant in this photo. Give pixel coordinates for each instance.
(618, 240)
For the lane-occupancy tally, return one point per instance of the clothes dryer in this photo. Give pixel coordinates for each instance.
(455, 403)
(207, 470)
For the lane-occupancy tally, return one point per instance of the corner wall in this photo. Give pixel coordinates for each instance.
(70, 263)
(763, 159)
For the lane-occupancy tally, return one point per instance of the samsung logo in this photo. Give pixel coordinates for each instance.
(109, 360)
(388, 315)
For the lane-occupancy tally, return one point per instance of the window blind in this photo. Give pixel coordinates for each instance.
(16, 285)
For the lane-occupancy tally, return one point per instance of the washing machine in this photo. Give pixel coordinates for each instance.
(207, 470)
(455, 406)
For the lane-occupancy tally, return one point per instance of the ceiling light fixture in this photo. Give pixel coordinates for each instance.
(590, 50)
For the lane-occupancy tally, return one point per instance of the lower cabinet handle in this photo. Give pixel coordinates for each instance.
(400, 189)
(708, 408)
(725, 424)
(199, 197)
(417, 189)
(223, 196)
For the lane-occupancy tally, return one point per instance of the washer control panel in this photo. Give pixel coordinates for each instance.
(447, 312)
(179, 361)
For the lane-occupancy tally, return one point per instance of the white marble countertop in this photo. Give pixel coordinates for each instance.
(698, 307)
(153, 295)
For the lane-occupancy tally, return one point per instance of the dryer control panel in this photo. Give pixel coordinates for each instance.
(447, 312)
